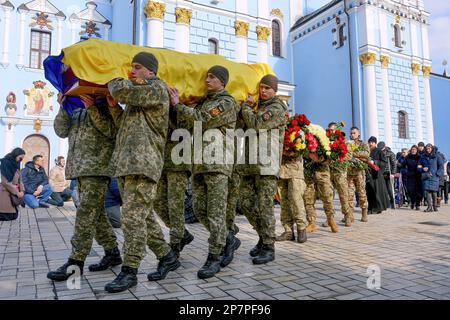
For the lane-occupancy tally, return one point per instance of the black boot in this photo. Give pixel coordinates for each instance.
(301, 235)
(187, 238)
(429, 203)
(168, 263)
(210, 268)
(126, 279)
(61, 273)
(267, 254)
(256, 249)
(112, 258)
(176, 247)
(435, 206)
(232, 245)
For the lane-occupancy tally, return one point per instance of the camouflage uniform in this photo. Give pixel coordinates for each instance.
(169, 201)
(338, 173)
(91, 136)
(210, 181)
(258, 186)
(317, 178)
(292, 187)
(357, 178)
(138, 161)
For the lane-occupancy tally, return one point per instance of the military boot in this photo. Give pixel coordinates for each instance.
(266, 255)
(210, 268)
(61, 274)
(332, 224)
(235, 229)
(126, 279)
(287, 235)
(112, 258)
(312, 227)
(301, 235)
(364, 216)
(256, 249)
(231, 245)
(325, 224)
(187, 238)
(168, 263)
(176, 247)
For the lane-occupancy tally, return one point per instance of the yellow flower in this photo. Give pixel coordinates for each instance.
(292, 137)
(354, 146)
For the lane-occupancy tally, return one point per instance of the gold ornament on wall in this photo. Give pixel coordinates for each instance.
(263, 33)
(385, 60)
(397, 19)
(241, 28)
(426, 71)
(37, 125)
(183, 15)
(415, 68)
(368, 58)
(277, 12)
(155, 10)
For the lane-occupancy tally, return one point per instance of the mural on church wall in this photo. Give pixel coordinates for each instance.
(38, 100)
(37, 144)
(10, 107)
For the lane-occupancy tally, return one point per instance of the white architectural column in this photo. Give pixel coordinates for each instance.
(428, 109)
(370, 94)
(183, 20)
(242, 6)
(106, 36)
(296, 10)
(415, 67)
(9, 138)
(63, 147)
(59, 32)
(386, 101)
(263, 34)
(241, 28)
(6, 34)
(425, 42)
(263, 9)
(21, 55)
(155, 23)
(74, 29)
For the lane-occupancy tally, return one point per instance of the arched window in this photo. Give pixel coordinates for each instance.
(276, 38)
(213, 46)
(40, 47)
(398, 36)
(402, 125)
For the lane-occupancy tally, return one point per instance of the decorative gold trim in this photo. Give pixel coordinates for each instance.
(397, 19)
(263, 33)
(183, 15)
(155, 10)
(241, 28)
(368, 58)
(415, 68)
(277, 12)
(426, 71)
(385, 60)
(37, 125)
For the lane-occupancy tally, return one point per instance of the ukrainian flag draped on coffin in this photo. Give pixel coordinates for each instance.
(99, 61)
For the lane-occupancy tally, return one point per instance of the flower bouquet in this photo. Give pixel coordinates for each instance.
(295, 142)
(361, 163)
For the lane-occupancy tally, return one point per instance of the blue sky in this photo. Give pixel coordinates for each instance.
(439, 32)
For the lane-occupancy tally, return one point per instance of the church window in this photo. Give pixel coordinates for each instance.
(40, 47)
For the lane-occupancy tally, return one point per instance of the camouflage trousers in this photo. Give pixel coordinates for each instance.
(320, 182)
(91, 220)
(139, 224)
(169, 202)
(233, 195)
(210, 191)
(340, 184)
(257, 194)
(357, 182)
(292, 205)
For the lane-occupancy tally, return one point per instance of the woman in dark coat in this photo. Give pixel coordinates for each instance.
(431, 166)
(10, 184)
(413, 177)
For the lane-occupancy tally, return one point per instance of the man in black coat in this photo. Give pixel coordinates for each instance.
(390, 171)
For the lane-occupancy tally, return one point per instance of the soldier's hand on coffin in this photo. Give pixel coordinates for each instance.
(111, 101)
(87, 100)
(174, 96)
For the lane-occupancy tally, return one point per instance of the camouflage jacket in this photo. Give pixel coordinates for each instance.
(270, 115)
(217, 111)
(91, 136)
(357, 149)
(292, 168)
(143, 126)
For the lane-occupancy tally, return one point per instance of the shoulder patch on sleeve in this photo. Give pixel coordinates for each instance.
(267, 115)
(216, 111)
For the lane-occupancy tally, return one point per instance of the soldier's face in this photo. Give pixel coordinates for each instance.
(139, 71)
(213, 83)
(266, 92)
(354, 134)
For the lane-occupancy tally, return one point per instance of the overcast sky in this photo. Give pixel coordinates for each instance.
(439, 32)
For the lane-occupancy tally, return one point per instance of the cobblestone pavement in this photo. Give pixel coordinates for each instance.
(411, 249)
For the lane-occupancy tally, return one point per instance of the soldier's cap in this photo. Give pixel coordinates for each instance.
(271, 81)
(372, 139)
(148, 60)
(220, 73)
(421, 144)
(381, 144)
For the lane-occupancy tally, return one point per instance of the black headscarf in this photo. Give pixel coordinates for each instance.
(9, 165)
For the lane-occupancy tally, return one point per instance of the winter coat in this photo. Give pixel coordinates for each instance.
(33, 178)
(435, 165)
(6, 189)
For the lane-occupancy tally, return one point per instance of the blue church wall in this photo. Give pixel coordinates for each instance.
(440, 98)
